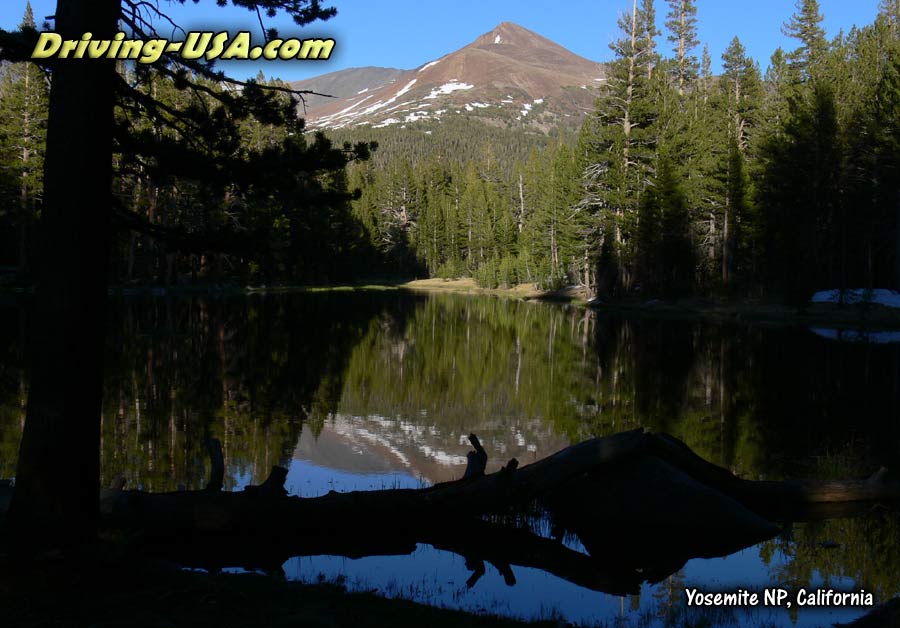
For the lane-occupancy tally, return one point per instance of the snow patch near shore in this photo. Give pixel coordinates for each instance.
(856, 335)
(876, 296)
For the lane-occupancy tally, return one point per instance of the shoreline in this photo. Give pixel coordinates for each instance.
(866, 317)
(851, 317)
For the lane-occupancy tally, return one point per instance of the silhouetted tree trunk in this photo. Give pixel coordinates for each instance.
(57, 478)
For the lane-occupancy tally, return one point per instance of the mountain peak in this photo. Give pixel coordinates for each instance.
(509, 75)
(509, 33)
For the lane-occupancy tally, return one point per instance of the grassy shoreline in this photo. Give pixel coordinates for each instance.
(851, 317)
(848, 316)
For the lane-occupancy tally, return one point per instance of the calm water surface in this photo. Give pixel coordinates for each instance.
(369, 390)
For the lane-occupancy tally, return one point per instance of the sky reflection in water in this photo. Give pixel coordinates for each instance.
(439, 578)
(367, 390)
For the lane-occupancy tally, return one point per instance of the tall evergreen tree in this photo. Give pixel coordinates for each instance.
(890, 10)
(801, 201)
(706, 74)
(736, 214)
(804, 26)
(874, 163)
(551, 237)
(682, 24)
(648, 10)
(24, 96)
(676, 251)
(618, 145)
(742, 91)
(61, 436)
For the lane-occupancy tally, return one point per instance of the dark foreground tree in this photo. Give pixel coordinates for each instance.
(57, 478)
(61, 435)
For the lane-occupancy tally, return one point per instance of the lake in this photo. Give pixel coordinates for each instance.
(355, 390)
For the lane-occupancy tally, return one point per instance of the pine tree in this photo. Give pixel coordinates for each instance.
(804, 25)
(682, 24)
(890, 10)
(692, 127)
(706, 75)
(736, 214)
(742, 88)
(62, 427)
(676, 252)
(648, 11)
(885, 118)
(873, 241)
(801, 202)
(648, 236)
(431, 245)
(24, 96)
(617, 145)
(533, 177)
(742, 91)
(550, 242)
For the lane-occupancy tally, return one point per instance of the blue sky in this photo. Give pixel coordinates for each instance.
(408, 33)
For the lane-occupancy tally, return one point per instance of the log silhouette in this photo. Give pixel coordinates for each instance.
(640, 503)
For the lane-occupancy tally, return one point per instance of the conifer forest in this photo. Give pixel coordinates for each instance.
(680, 182)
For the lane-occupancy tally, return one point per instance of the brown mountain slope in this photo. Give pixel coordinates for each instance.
(509, 75)
(345, 83)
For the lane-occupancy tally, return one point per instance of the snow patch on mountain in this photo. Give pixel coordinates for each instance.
(406, 88)
(392, 99)
(448, 88)
(415, 116)
(345, 112)
(428, 65)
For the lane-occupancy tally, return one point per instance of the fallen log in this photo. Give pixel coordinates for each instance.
(478, 494)
(251, 512)
(641, 504)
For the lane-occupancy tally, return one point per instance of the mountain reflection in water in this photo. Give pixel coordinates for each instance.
(367, 390)
(377, 445)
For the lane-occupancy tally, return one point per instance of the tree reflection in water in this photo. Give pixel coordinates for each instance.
(389, 383)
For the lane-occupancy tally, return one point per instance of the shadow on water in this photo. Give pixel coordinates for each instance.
(376, 390)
